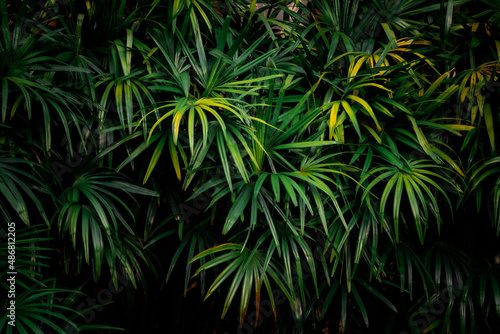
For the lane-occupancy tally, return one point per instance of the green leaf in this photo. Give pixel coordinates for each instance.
(238, 207)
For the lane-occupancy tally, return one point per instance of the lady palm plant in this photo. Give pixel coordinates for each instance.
(41, 305)
(29, 92)
(318, 158)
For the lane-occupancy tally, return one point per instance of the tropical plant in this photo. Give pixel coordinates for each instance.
(304, 165)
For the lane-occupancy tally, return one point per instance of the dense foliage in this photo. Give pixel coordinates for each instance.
(313, 166)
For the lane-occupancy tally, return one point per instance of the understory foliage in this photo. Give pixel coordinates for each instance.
(308, 166)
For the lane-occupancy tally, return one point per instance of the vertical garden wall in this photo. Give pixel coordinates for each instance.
(292, 166)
